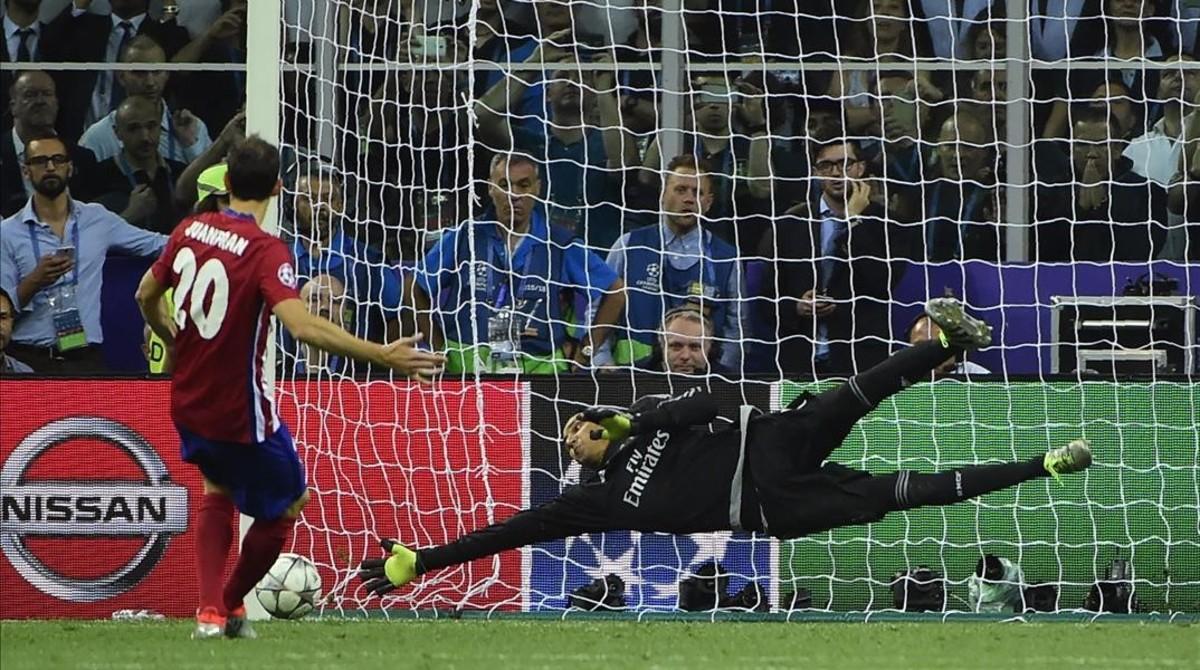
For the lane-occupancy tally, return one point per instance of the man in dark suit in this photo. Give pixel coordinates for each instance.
(99, 39)
(836, 262)
(33, 108)
(26, 40)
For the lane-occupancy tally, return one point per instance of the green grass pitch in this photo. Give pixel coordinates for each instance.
(443, 644)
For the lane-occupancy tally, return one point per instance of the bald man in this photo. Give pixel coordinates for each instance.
(33, 105)
(139, 182)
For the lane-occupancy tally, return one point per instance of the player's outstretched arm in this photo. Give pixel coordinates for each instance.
(578, 510)
(401, 355)
(149, 298)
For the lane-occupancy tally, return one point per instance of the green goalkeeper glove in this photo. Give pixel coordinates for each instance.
(383, 575)
(615, 425)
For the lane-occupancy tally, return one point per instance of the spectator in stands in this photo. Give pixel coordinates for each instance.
(586, 164)
(26, 40)
(1156, 154)
(901, 160)
(736, 160)
(685, 346)
(881, 31)
(518, 42)
(90, 95)
(8, 364)
(836, 263)
(33, 108)
(51, 264)
(325, 296)
(223, 42)
(951, 24)
(962, 202)
(530, 298)
(1126, 31)
(322, 245)
(183, 138)
(923, 329)
(416, 148)
(987, 38)
(989, 87)
(139, 182)
(676, 262)
(1105, 212)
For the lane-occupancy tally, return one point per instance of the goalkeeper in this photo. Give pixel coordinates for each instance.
(661, 470)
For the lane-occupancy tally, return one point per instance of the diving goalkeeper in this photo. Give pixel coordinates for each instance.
(662, 470)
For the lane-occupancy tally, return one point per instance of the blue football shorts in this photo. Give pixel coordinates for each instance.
(263, 478)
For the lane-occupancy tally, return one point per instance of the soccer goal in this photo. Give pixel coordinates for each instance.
(999, 170)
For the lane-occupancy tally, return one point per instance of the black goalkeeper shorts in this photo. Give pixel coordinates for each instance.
(797, 493)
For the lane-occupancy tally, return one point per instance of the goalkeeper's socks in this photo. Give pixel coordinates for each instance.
(903, 368)
(260, 548)
(912, 489)
(214, 536)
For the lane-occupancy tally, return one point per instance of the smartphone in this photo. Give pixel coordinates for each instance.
(714, 93)
(67, 250)
(431, 46)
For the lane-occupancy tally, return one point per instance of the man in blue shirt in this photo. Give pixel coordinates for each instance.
(678, 261)
(508, 293)
(52, 256)
(8, 364)
(322, 246)
(585, 164)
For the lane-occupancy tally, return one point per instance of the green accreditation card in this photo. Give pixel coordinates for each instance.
(68, 330)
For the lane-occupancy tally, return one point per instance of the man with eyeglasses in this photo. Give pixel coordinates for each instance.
(837, 259)
(52, 256)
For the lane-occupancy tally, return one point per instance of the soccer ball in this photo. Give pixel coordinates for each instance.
(291, 588)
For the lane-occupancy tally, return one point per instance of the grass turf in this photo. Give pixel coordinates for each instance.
(607, 644)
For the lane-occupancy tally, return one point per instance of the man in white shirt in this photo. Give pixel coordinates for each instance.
(1156, 155)
(184, 137)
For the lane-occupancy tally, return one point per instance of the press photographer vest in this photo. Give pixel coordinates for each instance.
(537, 294)
(654, 286)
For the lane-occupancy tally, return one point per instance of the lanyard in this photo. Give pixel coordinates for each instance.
(500, 297)
(37, 247)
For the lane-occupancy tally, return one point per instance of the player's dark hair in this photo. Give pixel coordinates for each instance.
(253, 169)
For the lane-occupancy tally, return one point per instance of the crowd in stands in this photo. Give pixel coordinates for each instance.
(557, 233)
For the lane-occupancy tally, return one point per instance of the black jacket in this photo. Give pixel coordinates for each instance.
(868, 266)
(674, 476)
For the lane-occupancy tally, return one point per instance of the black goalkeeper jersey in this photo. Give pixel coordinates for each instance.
(675, 475)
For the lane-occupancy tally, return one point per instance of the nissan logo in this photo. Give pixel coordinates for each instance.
(154, 509)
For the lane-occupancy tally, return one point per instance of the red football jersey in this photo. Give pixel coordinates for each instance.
(227, 274)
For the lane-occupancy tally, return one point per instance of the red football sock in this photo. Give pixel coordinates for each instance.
(214, 535)
(260, 548)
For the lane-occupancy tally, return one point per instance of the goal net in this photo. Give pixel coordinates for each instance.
(857, 159)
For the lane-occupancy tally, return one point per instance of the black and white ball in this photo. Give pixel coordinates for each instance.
(291, 588)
